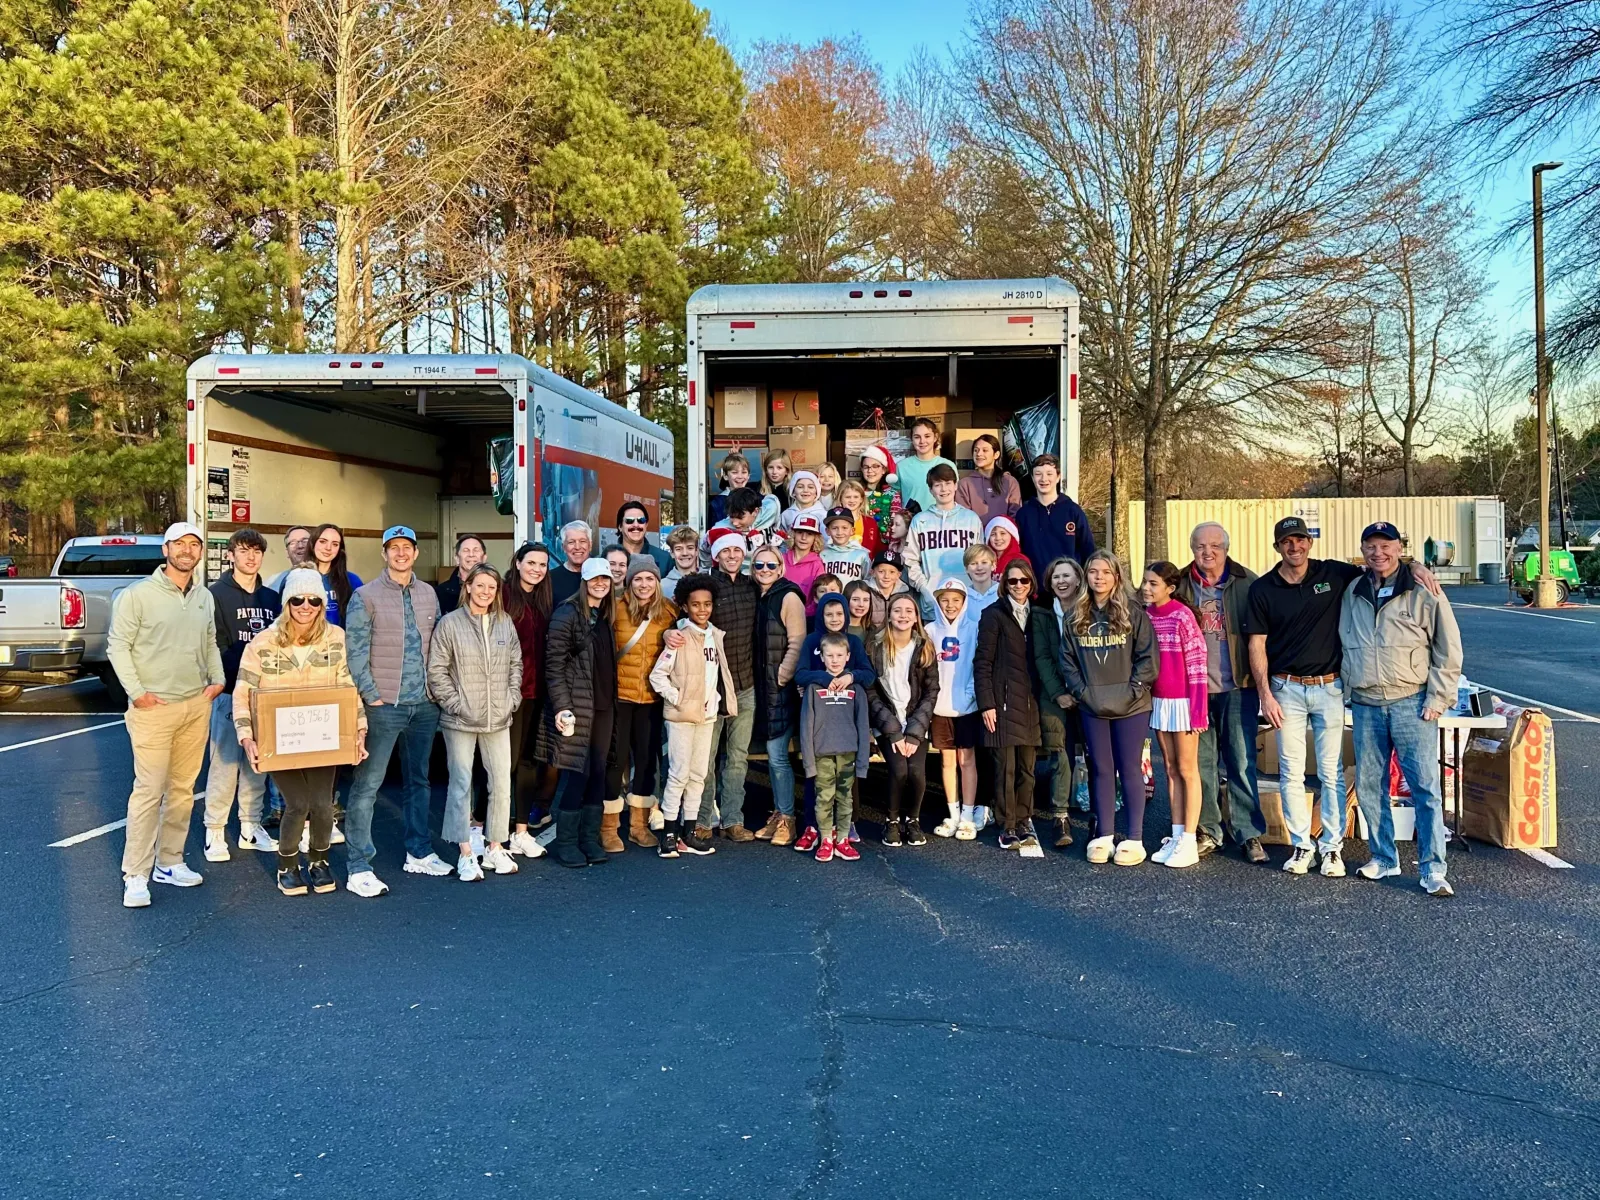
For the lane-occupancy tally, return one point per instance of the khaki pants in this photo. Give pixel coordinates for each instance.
(169, 743)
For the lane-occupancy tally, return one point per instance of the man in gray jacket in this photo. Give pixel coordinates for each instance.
(1401, 664)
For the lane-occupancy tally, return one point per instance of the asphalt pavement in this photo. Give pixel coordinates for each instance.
(938, 1021)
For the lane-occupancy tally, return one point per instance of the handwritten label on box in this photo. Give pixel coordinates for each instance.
(307, 729)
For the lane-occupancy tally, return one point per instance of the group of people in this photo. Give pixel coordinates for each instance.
(906, 612)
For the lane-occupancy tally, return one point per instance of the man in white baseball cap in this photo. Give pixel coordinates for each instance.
(163, 646)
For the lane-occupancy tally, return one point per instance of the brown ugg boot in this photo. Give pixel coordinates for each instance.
(639, 827)
(609, 841)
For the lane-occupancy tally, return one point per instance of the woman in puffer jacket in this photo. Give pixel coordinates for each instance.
(642, 616)
(581, 678)
(475, 676)
(1108, 664)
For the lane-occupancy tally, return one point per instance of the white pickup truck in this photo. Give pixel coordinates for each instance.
(54, 630)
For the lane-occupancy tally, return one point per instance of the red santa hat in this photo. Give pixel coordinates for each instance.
(880, 454)
(1005, 523)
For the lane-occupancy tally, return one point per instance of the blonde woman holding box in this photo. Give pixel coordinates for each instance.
(298, 650)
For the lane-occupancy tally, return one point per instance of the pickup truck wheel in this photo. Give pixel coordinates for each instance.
(10, 693)
(118, 697)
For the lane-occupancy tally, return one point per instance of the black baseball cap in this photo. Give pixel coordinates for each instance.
(1381, 529)
(889, 557)
(1290, 527)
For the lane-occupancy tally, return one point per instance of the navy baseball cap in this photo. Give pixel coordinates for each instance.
(399, 531)
(1290, 527)
(1381, 529)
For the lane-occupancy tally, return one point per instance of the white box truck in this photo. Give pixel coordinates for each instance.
(369, 441)
(970, 353)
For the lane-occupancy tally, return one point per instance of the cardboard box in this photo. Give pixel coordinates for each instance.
(791, 407)
(925, 406)
(959, 444)
(806, 445)
(305, 727)
(1508, 785)
(1267, 752)
(1277, 833)
(896, 441)
(739, 410)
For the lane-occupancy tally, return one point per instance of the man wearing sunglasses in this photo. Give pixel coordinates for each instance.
(633, 526)
(163, 646)
(386, 637)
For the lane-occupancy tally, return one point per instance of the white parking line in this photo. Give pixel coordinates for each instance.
(91, 833)
(1525, 612)
(45, 687)
(1544, 704)
(56, 737)
(1548, 859)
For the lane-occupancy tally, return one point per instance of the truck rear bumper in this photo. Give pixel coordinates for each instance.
(36, 663)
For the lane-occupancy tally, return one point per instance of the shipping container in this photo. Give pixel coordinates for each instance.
(369, 441)
(1466, 530)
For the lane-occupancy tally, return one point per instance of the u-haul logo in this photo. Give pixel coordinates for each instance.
(641, 449)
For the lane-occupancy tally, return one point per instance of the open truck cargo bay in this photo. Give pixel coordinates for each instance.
(367, 442)
(973, 353)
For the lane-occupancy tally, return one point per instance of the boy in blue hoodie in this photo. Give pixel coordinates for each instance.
(834, 738)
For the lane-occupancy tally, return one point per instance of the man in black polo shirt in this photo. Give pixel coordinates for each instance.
(1294, 643)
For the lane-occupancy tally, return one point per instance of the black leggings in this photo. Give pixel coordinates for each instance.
(1013, 784)
(307, 795)
(637, 738)
(587, 788)
(908, 779)
(525, 770)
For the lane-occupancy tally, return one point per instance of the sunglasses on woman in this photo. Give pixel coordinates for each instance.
(301, 601)
(1018, 581)
(766, 566)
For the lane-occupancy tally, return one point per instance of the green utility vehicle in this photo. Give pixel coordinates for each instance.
(1525, 571)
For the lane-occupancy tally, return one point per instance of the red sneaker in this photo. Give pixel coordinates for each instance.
(845, 850)
(808, 840)
(825, 850)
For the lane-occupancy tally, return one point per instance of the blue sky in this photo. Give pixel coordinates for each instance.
(892, 29)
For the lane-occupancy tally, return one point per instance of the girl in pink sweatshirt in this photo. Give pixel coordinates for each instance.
(1181, 709)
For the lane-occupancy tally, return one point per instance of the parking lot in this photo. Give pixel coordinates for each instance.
(941, 1021)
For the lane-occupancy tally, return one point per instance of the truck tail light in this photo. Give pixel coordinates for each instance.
(73, 613)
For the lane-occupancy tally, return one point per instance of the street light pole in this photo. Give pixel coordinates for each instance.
(1544, 588)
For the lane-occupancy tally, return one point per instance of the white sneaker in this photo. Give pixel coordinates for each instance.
(1435, 885)
(1373, 869)
(256, 838)
(475, 840)
(305, 838)
(217, 845)
(1100, 848)
(1185, 853)
(1168, 845)
(527, 845)
(135, 892)
(178, 875)
(366, 885)
(1130, 853)
(467, 869)
(337, 838)
(499, 861)
(948, 827)
(1300, 862)
(432, 865)
(1333, 864)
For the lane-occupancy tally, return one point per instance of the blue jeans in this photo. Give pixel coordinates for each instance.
(230, 772)
(1322, 708)
(781, 772)
(1398, 726)
(1231, 739)
(723, 799)
(412, 726)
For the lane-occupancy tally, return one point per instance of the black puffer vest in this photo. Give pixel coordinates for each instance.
(777, 708)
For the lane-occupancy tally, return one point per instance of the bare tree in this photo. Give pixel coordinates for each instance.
(1535, 69)
(1220, 169)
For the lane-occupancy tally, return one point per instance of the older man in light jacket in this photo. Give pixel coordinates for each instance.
(1402, 661)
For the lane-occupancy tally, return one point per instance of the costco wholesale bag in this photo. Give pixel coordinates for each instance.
(1509, 783)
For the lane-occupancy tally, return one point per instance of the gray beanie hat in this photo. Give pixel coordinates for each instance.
(642, 564)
